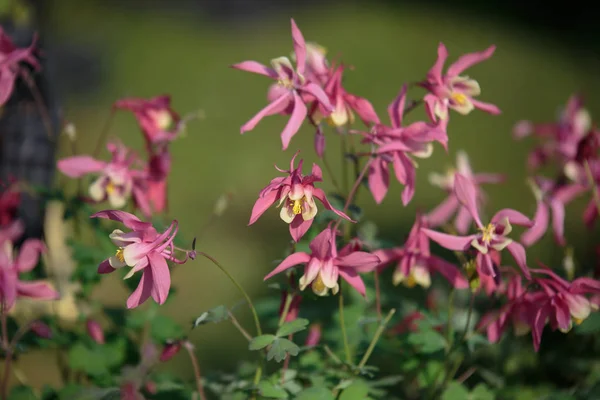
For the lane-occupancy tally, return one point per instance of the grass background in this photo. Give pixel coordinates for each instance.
(146, 53)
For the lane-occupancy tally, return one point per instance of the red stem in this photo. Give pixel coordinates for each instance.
(196, 367)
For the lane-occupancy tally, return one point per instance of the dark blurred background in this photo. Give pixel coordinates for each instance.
(99, 51)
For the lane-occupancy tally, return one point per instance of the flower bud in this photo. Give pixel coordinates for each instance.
(319, 142)
(314, 335)
(41, 329)
(170, 350)
(95, 331)
(150, 387)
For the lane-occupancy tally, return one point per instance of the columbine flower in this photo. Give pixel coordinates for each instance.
(444, 211)
(291, 92)
(10, 57)
(397, 145)
(142, 249)
(491, 237)
(452, 90)
(117, 181)
(13, 263)
(324, 265)
(551, 198)
(159, 123)
(415, 262)
(296, 194)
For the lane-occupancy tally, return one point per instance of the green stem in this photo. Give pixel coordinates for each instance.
(450, 312)
(286, 308)
(377, 295)
(375, 339)
(252, 309)
(344, 150)
(103, 134)
(343, 327)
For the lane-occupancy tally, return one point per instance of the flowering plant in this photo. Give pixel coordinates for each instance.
(341, 326)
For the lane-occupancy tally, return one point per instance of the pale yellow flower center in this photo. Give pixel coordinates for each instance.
(318, 286)
(110, 188)
(120, 256)
(297, 206)
(487, 232)
(286, 83)
(459, 98)
(578, 321)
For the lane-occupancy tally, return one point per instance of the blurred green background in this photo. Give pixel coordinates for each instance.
(146, 52)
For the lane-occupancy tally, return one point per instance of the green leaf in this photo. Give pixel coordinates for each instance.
(358, 390)
(455, 391)
(428, 341)
(481, 392)
(590, 325)
(97, 360)
(292, 327)
(315, 393)
(280, 348)
(260, 342)
(267, 389)
(214, 315)
(164, 328)
(22, 393)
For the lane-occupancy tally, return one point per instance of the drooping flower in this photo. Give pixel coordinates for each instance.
(142, 249)
(10, 198)
(296, 195)
(159, 123)
(118, 179)
(551, 199)
(13, 263)
(491, 237)
(415, 263)
(451, 206)
(324, 266)
(453, 90)
(10, 68)
(291, 92)
(397, 145)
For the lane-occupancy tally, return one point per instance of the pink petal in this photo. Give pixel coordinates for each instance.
(518, 253)
(8, 286)
(435, 73)
(449, 271)
(443, 212)
(400, 169)
(562, 315)
(320, 194)
(466, 193)
(127, 219)
(396, 109)
(295, 121)
(12, 232)
(29, 254)
(291, 261)
(558, 221)
(568, 193)
(320, 95)
(430, 101)
(78, 166)
(321, 245)
(514, 217)
(256, 67)
(363, 108)
(105, 268)
(387, 256)
(463, 220)
(275, 107)
(491, 320)
(353, 279)
(143, 290)
(485, 264)
(379, 179)
(161, 277)
(489, 178)
(585, 285)
(37, 290)
(395, 146)
(7, 84)
(487, 107)
(262, 204)
(450, 242)
(540, 225)
(409, 187)
(299, 227)
(590, 214)
(299, 48)
(538, 324)
(359, 260)
(468, 60)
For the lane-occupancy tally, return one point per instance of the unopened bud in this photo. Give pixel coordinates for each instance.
(314, 335)
(41, 329)
(319, 142)
(150, 387)
(170, 350)
(95, 331)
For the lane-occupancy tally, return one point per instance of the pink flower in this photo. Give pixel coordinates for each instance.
(296, 194)
(324, 265)
(551, 199)
(397, 145)
(117, 181)
(10, 57)
(491, 237)
(314, 335)
(10, 198)
(452, 90)
(95, 331)
(317, 66)
(170, 350)
(13, 263)
(291, 92)
(346, 104)
(157, 119)
(415, 262)
(142, 249)
(444, 211)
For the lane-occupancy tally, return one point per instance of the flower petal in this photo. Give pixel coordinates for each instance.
(443, 212)
(558, 221)
(487, 107)
(467, 60)
(143, 290)
(29, 254)
(275, 107)
(448, 271)
(291, 128)
(359, 260)
(435, 73)
(298, 227)
(540, 225)
(514, 217)
(161, 277)
(127, 219)
(379, 179)
(77, 166)
(261, 205)
(37, 290)
(289, 262)
(256, 67)
(353, 279)
(299, 48)
(320, 194)
(105, 268)
(450, 242)
(466, 193)
(396, 108)
(518, 252)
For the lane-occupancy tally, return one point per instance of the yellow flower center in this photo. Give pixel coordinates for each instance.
(487, 232)
(578, 321)
(110, 188)
(297, 206)
(459, 98)
(120, 256)
(286, 83)
(318, 286)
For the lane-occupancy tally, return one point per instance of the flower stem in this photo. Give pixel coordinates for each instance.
(356, 185)
(344, 150)
(239, 327)
(286, 308)
(450, 312)
(592, 182)
(188, 346)
(252, 309)
(103, 133)
(375, 339)
(343, 327)
(40, 104)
